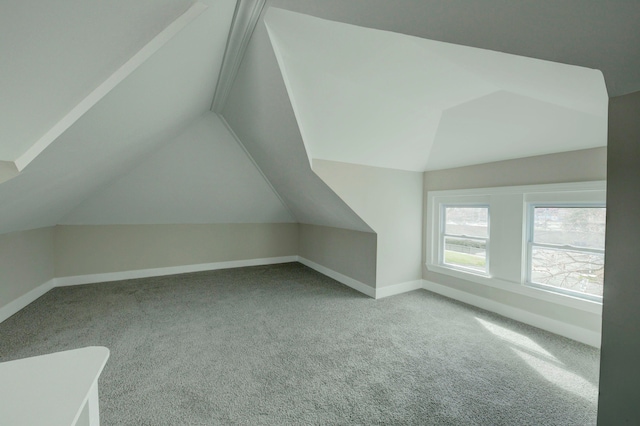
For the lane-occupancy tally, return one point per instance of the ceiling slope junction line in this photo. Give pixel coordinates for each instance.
(103, 89)
(379, 98)
(245, 19)
(253, 161)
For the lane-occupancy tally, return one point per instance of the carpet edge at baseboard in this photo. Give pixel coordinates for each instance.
(21, 302)
(580, 334)
(171, 270)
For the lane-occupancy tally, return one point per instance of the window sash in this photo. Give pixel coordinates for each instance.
(558, 247)
(444, 235)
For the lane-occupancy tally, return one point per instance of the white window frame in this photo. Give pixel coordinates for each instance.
(508, 206)
(531, 206)
(443, 235)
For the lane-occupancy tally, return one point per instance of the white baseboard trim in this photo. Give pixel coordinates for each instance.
(172, 270)
(16, 305)
(348, 281)
(580, 334)
(392, 290)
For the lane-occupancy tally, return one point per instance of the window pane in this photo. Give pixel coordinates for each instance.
(465, 253)
(576, 226)
(571, 270)
(470, 221)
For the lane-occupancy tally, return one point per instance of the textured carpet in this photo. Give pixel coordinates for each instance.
(284, 345)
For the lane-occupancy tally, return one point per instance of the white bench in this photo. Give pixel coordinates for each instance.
(59, 389)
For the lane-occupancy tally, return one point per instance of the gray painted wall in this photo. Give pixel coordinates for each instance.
(26, 262)
(576, 166)
(620, 355)
(82, 250)
(351, 253)
(390, 202)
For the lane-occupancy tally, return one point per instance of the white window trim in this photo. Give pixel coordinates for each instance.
(530, 244)
(585, 191)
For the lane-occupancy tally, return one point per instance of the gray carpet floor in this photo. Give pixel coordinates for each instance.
(285, 345)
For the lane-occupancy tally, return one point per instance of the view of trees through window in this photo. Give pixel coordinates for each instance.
(567, 248)
(466, 233)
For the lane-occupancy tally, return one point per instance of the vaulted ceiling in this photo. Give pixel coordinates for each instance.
(390, 100)
(105, 106)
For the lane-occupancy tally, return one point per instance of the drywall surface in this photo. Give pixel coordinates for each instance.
(202, 176)
(576, 166)
(619, 368)
(84, 250)
(259, 112)
(391, 100)
(390, 202)
(26, 262)
(602, 36)
(350, 253)
(55, 53)
(146, 110)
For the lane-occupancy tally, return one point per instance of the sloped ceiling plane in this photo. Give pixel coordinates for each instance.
(125, 103)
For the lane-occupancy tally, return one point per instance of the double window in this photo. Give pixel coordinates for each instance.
(525, 239)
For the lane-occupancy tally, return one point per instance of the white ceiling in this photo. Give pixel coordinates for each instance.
(259, 112)
(600, 35)
(203, 176)
(385, 99)
(54, 53)
(146, 110)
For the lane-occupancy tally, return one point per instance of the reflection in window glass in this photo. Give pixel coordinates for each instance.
(465, 253)
(566, 249)
(574, 226)
(465, 237)
(470, 221)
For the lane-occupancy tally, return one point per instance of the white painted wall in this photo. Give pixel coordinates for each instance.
(202, 176)
(390, 201)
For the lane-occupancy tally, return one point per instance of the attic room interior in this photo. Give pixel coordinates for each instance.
(319, 212)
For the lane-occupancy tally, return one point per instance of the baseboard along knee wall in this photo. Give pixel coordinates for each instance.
(583, 335)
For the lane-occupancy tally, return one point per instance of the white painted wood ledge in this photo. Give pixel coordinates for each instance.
(58, 389)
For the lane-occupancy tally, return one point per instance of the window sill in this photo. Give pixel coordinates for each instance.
(521, 289)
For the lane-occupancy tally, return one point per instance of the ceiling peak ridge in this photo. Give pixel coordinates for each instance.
(253, 161)
(108, 85)
(245, 19)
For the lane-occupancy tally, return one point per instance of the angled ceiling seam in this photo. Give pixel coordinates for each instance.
(108, 85)
(253, 161)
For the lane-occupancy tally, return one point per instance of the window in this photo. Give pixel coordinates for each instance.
(542, 241)
(464, 238)
(566, 248)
